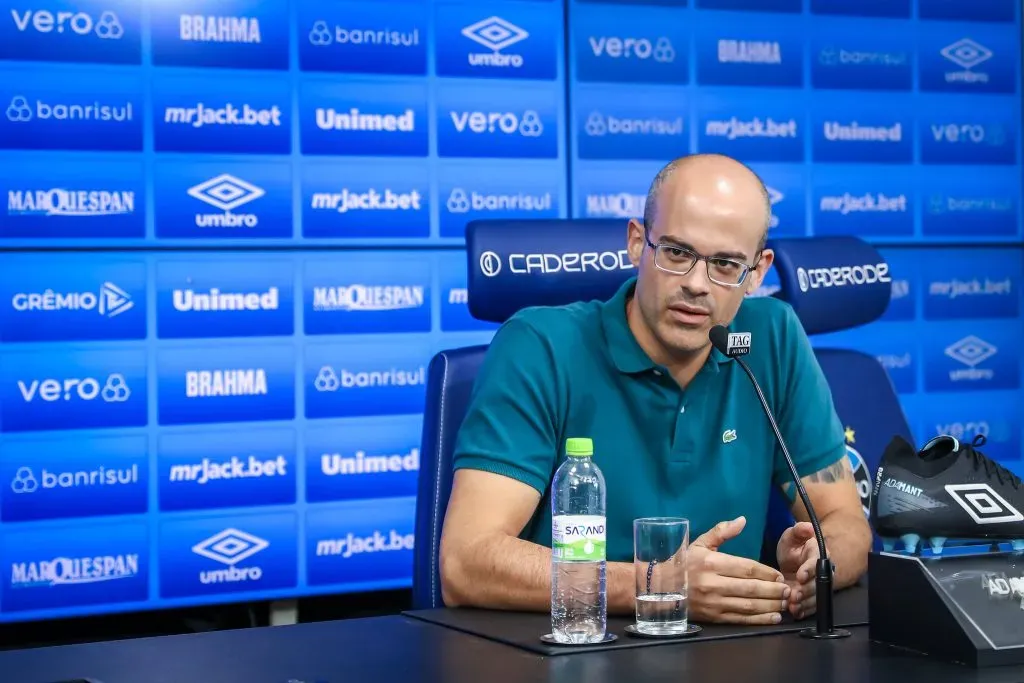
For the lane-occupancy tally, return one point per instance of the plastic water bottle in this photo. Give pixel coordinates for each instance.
(579, 600)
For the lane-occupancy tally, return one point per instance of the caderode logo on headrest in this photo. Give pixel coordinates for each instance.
(841, 276)
(490, 263)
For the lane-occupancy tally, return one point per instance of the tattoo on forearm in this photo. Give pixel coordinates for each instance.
(837, 471)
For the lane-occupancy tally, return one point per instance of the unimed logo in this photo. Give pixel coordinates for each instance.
(106, 26)
(329, 118)
(351, 544)
(836, 131)
(328, 379)
(334, 464)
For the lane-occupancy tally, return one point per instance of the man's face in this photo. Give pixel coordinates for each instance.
(680, 310)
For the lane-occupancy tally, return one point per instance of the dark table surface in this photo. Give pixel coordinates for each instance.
(400, 648)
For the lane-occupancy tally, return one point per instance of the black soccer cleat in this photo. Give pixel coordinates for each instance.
(949, 492)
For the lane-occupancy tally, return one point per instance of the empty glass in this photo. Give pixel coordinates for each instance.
(659, 560)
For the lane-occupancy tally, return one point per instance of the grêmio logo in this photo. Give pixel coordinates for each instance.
(113, 390)
(528, 125)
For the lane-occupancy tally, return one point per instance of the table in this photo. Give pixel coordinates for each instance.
(407, 650)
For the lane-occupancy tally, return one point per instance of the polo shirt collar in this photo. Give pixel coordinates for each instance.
(625, 352)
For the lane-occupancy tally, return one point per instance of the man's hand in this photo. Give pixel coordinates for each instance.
(797, 554)
(728, 589)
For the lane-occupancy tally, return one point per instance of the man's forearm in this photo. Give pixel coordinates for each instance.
(848, 541)
(504, 572)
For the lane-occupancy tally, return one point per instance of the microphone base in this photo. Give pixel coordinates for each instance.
(814, 634)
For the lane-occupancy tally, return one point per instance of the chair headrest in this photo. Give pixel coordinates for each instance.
(515, 264)
(833, 283)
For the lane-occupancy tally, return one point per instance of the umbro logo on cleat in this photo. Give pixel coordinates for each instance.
(983, 504)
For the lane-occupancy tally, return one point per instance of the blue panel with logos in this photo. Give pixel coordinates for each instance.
(231, 241)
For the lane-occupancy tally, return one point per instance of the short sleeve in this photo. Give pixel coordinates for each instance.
(510, 427)
(806, 415)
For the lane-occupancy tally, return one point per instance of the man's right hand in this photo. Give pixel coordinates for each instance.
(728, 589)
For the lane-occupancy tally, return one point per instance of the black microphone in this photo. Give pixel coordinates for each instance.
(734, 345)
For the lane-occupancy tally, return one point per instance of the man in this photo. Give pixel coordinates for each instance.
(677, 428)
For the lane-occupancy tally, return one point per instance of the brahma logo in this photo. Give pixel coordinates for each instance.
(219, 29)
(226, 192)
(109, 302)
(70, 203)
(495, 34)
(220, 383)
(107, 26)
(660, 50)
(842, 276)
(230, 547)
(528, 124)
(967, 54)
(749, 52)
(983, 503)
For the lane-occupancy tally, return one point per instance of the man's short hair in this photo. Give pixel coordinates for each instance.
(651, 204)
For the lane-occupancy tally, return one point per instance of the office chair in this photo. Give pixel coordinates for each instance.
(516, 264)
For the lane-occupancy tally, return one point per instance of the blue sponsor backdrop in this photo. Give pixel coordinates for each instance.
(189, 415)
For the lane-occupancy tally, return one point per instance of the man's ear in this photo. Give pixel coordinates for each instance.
(635, 241)
(764, 264)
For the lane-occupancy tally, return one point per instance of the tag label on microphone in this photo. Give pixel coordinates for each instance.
(738, 344)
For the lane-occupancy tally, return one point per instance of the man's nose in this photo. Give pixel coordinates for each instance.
(697, 281)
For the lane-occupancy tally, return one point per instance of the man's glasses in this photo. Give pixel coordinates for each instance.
(680, 261)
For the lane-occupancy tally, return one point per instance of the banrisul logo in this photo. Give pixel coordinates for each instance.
(26, 109)
(226, 193)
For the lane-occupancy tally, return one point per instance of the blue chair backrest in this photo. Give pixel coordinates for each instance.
(515, 264)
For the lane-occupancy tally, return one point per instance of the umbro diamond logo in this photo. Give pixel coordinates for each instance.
(971, 351)
(230, 546)
(983, 504)
(226, 192)
(966, 53)
(495, 33)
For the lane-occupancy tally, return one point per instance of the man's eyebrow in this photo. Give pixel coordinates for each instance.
(736, 255)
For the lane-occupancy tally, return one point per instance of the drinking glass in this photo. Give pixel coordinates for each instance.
(659, 561)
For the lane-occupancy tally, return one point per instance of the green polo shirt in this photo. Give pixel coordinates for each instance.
(706, 453)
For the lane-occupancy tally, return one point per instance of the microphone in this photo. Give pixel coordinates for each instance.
(734, 345)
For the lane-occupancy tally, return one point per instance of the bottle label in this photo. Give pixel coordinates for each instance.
(578, 538)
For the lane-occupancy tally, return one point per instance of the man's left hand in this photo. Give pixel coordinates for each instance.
(797, 554)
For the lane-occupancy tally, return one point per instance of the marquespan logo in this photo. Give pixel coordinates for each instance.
(226, 192)
(983, 503)
(74, 570)
(490, 263)
(495, 34)
(107, 26)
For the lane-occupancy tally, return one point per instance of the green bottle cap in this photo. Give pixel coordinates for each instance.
(579, 447)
